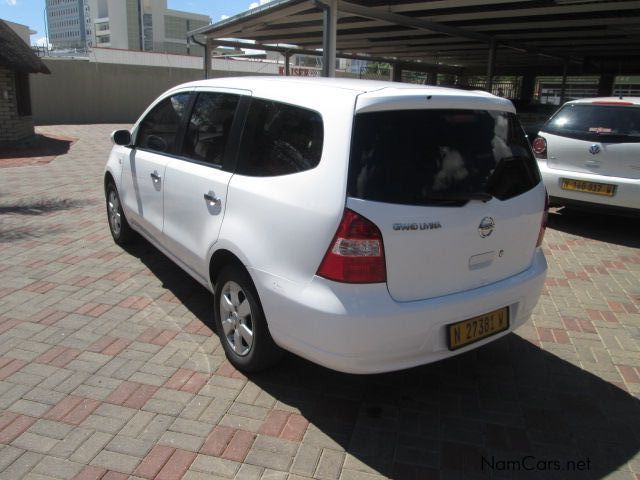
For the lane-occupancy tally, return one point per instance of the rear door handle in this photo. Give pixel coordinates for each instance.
(155, 177)
(211, 199)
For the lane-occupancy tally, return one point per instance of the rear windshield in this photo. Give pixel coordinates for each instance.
(439, 157)
(601, 123)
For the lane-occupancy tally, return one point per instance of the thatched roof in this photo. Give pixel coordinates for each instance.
(17, 55)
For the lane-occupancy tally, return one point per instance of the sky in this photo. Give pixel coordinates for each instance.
(31, 12)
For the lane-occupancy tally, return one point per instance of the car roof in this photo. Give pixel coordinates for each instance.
(305, 91)
(357, 85)
(621, 101)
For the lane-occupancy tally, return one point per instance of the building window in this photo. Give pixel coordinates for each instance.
(23, 95)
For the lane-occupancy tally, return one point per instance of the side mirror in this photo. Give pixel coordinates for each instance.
(121, 137)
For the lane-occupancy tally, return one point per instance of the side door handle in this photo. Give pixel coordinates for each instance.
(211, 199)
(155, 177)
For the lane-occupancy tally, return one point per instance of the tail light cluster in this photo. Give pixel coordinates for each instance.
(356, 253)
(539, 146)
(545, 219)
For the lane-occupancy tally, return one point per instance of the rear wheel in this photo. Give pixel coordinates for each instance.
(120, 229)
(241, 323)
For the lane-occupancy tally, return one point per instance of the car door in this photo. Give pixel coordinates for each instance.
(196, 183)
(156, 139)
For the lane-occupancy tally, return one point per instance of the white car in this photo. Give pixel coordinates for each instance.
(365, 226)
(589, 154)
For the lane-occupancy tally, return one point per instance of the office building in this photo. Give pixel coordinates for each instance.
(146, 25)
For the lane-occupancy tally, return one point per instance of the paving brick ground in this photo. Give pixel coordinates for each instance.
(109, 368)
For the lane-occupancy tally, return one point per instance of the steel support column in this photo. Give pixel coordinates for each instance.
(563, 87)
(287, 64)
(329, 34)
(396, 73)
(491, 64)
(208, 48)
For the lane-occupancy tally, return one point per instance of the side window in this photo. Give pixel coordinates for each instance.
(280, 139)
(159, 129)
(209, 127)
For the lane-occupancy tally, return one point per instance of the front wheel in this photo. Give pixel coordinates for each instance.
(118, 225)
(241, 323)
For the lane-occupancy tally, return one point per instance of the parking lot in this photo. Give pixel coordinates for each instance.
(109, 367)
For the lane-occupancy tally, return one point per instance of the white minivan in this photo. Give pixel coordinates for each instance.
(366, 226)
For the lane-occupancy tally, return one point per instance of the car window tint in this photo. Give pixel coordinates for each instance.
(159, 129)
(209, 126)
(596, 123)
(439, 157)
(280, 139)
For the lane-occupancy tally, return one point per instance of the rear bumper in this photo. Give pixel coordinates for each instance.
(361, 329)
(627, 195)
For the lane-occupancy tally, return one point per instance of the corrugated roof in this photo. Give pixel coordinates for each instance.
(16, 54)
(590, 33)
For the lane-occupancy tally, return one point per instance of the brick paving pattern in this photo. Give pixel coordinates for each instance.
(109, 368)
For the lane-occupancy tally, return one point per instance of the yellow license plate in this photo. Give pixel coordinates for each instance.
(468, 331)
(589, 187)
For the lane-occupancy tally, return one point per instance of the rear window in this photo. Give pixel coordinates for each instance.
(439, 157)
(601, 123)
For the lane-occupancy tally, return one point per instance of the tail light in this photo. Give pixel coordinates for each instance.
(545, 218)
(356, 253)
(540, 147)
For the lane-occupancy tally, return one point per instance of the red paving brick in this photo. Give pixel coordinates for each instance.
(217, 441)
(58, 356)
(49, 317)
(195, 383)
(16, 428)
(81, 411)
(239, 446)
(90, 472)
(629, 374)
(177, 465)
(154, 461)
(140, 396)
(111, 475)
(295, 428)
(62, 408)
(131, 394)
(10, 368)
(545, 334)
(275, 422)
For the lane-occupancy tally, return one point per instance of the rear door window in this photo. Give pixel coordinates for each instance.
(209, 127)
(596, 123)
(439, 157)
(280, 139)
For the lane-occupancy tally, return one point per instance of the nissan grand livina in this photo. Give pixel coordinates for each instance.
(366, 226)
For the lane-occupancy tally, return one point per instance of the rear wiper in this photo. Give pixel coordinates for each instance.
(462, 197)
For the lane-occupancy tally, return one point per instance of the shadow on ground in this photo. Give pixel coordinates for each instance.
(41, 207)
(597, 226)
(39, 146)
(10, 231)
(507, 410)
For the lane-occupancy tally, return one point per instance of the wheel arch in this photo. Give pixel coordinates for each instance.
(108, 178)
(221, 258)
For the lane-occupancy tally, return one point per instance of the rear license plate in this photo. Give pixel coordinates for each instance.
(605, 189)
(468, 331)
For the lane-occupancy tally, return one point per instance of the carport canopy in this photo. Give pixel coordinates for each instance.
(471, 37)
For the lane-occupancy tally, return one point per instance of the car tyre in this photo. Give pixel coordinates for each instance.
(240, 322)
(120, 229)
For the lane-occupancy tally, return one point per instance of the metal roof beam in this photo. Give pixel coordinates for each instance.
(403, 20)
